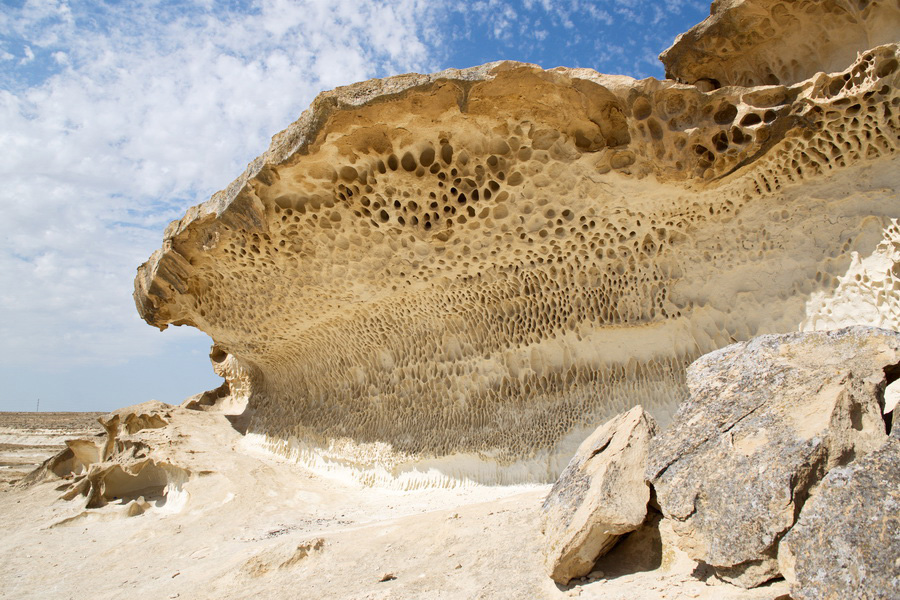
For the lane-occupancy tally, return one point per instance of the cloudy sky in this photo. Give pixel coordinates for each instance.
(117, 116)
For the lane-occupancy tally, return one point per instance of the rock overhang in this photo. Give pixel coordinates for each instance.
(773, 42)
(483, 264)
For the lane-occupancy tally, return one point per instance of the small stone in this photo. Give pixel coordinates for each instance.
(134, 509)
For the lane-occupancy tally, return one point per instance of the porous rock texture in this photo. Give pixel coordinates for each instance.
(456, 276)
(600, 495)
(847, 540)
(764, 423)
(778, 42)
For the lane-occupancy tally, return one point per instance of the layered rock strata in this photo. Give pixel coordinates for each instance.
(459, 275)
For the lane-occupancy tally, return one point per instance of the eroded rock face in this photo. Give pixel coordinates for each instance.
(846, 543)
(458, 274)
(233, 395)
(773, 42)
(123, 467)
(765, 421)
(600, 496)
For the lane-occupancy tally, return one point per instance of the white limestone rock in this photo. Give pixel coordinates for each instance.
(774, 42)
(431, 279)
(600, 496)
(134, 461)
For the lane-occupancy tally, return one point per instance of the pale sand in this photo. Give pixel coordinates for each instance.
(250, 524)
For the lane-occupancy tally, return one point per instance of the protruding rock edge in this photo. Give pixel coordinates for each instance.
(167, 266)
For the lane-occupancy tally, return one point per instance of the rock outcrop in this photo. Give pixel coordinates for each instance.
(434, 278)
(778, 464)
(128, 466)
(764, 423)
(847, 540)
(773, 42)
(600, 495)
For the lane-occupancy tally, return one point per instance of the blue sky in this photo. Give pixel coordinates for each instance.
(115, 117)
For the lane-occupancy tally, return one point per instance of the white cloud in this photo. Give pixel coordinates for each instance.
(598, 14)
(29, 56)
(152, 110)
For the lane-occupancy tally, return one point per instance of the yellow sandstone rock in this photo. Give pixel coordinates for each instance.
(436, 278)
(777, 42)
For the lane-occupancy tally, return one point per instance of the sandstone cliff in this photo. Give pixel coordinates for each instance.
(430, 278)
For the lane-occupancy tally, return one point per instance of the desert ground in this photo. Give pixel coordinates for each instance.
(28, 438)
(252, 524)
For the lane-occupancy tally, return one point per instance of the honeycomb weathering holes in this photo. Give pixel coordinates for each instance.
(489, 283)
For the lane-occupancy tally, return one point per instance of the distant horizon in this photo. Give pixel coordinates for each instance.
(57, 412)
(120, 117)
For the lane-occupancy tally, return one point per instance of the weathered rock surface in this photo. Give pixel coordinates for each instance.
(452, 276)
(765, 421)
(846, 543)
(600, 495)
(131, 465)
(435, 278)
(773, 42)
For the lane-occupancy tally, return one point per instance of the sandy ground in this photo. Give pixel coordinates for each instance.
(248, 524)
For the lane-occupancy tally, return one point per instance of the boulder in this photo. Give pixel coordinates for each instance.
(846, 543)
(600, 496)
(765, 421)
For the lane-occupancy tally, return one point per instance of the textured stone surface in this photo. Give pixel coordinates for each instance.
(130, 466)
(846, 543)
(439, 278)
(765, 421)
(600, 495)
(772, 42)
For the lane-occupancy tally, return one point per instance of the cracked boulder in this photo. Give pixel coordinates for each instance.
(766, 420)
(600, 496)
(846, 543)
